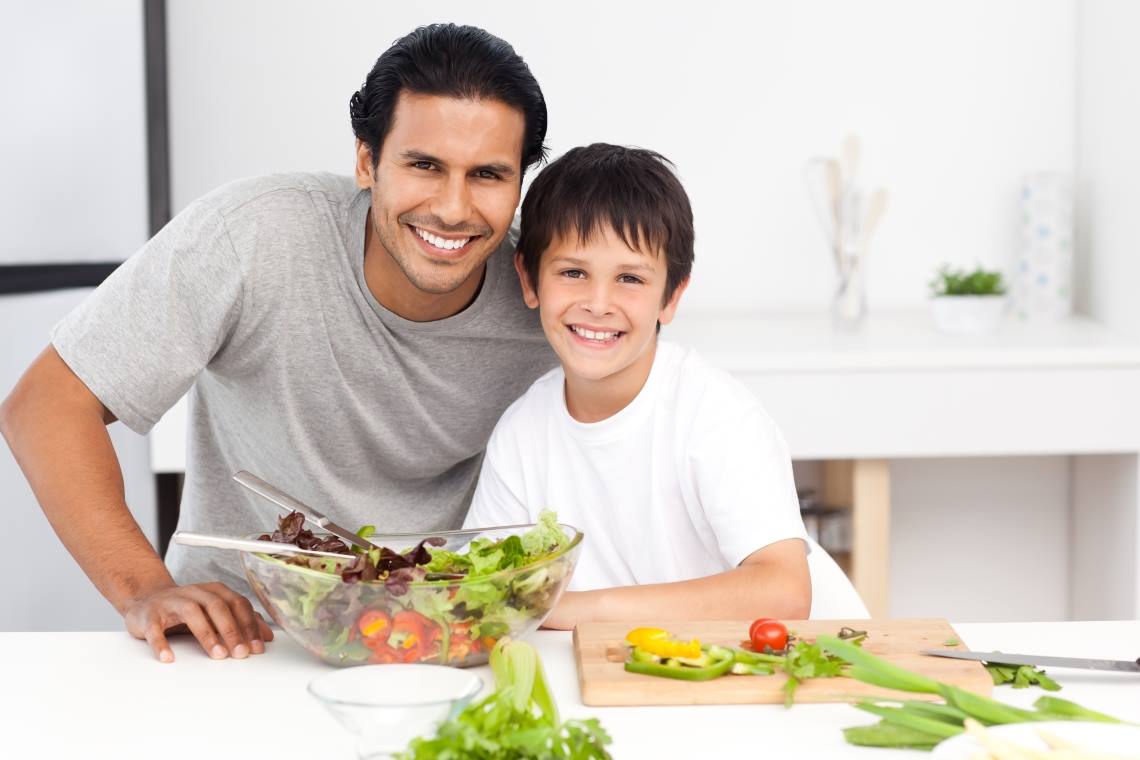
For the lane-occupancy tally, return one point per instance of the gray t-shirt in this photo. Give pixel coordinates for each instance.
(254, 300)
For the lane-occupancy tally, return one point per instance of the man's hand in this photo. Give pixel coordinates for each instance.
(223, 621)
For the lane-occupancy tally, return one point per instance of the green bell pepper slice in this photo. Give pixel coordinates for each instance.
(722, 660)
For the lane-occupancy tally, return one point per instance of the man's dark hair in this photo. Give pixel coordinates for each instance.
(452, 61)
(632, 191)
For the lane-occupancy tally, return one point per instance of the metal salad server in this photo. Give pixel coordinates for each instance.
(287, 502)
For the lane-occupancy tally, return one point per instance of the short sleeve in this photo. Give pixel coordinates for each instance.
(744, 484)
(499, 492)
(142, 337)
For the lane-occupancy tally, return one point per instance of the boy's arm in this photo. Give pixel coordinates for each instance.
(56, 428)
(771, 582)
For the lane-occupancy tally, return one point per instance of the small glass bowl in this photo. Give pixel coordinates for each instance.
(386, 706)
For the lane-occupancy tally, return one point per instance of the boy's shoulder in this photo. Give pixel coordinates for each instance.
(689, 381)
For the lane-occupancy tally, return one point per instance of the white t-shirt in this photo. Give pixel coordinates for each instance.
(687, 481)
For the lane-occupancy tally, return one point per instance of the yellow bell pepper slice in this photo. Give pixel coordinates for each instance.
(658, 642)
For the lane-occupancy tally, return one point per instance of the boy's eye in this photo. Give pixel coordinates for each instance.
(630, 279)
(573, 273)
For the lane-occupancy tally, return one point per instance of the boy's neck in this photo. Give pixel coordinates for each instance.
(589, 400)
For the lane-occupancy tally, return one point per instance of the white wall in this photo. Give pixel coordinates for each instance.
(72, 188)
(1108, 162)
(73, 183)
(954, 100)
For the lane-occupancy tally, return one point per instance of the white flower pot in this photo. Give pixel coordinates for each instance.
(968, 314)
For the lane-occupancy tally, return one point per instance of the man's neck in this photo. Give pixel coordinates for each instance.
(391, 287)
(596, 400)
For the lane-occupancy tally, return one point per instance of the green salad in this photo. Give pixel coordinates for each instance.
(435, 602)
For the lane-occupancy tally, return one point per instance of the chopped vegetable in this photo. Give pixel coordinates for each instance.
(658, 642)
(713, 662)
(518, 720)
(922, 725)
(1021, 676)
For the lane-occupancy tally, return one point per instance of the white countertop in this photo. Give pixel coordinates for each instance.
(97, 695)
(901, 340)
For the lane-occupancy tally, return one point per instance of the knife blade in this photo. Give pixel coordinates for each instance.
(285, 501)
(1005, 658)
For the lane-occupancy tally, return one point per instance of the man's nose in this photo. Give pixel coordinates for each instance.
(453, 203)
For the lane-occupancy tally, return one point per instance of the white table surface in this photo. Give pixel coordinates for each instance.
(95, 695)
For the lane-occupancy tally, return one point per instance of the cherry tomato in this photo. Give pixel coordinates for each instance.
(766, 632)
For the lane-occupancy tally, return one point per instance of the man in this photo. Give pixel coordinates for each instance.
(353, 343)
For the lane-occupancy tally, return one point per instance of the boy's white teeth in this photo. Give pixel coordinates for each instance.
(592, 334)
(438, 242)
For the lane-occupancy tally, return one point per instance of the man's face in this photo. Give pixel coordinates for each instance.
(600, 303)
(445, 188)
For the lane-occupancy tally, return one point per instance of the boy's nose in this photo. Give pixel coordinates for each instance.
(598, 301)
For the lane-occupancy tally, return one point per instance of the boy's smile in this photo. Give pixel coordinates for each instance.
(600, 303)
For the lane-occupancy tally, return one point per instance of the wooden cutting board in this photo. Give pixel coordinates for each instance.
(600, 651)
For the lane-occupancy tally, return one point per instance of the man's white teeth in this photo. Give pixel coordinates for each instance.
(593, 334)
(438, 242)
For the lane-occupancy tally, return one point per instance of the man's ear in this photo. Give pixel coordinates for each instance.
(530, 297)
(670, 309)
(364, 173)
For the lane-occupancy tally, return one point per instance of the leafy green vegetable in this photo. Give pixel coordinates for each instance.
(1021, 676)
(518, 720)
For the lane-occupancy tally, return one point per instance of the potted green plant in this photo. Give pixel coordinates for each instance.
(967, 301)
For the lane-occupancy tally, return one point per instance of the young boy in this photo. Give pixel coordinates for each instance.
(679, 480)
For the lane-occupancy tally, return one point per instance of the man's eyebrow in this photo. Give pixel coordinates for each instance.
(502, 169)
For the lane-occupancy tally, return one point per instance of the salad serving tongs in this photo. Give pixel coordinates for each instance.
(250, 545)
(287, 502)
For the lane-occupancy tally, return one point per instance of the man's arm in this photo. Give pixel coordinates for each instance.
(771, 582)
(56, 428)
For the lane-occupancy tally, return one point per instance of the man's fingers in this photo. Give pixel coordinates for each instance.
(157, 640)
(225, 624)
(244, 615)
(195, 618)
(267, 632)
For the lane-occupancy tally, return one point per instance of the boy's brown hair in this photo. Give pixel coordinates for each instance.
(632, 191)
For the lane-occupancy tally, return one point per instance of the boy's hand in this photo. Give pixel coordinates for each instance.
(223, 621)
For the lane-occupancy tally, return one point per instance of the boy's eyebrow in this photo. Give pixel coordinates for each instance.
(582, 262)
(505, 170)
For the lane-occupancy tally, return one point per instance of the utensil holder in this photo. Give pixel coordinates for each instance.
(849, 306)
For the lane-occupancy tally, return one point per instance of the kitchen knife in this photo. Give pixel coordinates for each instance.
(285, 501)
(1004, 658)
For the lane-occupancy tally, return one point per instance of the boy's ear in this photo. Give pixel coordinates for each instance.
(364, 174)
(670, 308)
(530, 297)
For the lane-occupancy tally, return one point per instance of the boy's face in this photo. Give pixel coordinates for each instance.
(600, 303)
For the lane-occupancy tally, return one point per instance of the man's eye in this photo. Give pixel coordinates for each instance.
(487, 174)
(423, 165)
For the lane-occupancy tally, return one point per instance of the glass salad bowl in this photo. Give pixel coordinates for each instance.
(444, 618)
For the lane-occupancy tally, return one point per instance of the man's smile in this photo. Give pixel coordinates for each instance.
(447, 246)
